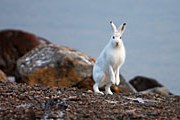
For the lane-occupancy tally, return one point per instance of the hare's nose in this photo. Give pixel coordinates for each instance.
(117, 44)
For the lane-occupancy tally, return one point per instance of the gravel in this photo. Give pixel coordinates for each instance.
(19, 101)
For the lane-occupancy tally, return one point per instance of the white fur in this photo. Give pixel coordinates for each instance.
(108, 64)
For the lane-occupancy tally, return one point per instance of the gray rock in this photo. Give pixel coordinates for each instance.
(148, 85)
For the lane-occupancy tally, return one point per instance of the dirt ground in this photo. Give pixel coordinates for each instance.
(23, 102)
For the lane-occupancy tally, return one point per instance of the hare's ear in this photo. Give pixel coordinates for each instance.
(122, 28)
(113, 27)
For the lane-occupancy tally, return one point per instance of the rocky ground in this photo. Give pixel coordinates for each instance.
(23, 102)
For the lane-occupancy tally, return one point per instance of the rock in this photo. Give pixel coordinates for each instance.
(141, 83)
(13, 45)
(3, 77)
(158, 90)
(148, 85)
(125, 87)
(57, 66)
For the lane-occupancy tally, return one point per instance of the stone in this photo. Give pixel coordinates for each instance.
(55, 66)
(148, 85)
(141, 83)
(58, 66)
(158, 90)
(3, 77)
(124, 86)
(13, 45)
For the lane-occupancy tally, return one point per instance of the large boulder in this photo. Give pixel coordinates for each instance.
(13, 45)
(57, 66)
(3, 77)
(148, 85)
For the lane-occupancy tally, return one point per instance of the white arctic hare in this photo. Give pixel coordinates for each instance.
(107, 66)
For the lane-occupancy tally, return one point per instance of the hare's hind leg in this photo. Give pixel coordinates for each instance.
(96, 88)
(98, 78)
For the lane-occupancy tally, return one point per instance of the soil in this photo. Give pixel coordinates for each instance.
(24, 102)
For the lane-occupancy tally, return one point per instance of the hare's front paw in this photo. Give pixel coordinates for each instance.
(109, 92)
(113, 81)
(108, 89)
(112, 75)
(117, 81)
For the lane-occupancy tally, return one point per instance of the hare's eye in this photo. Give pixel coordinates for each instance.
(113, 37)
(120, 37)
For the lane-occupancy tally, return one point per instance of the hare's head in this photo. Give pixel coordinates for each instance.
(116, 38)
